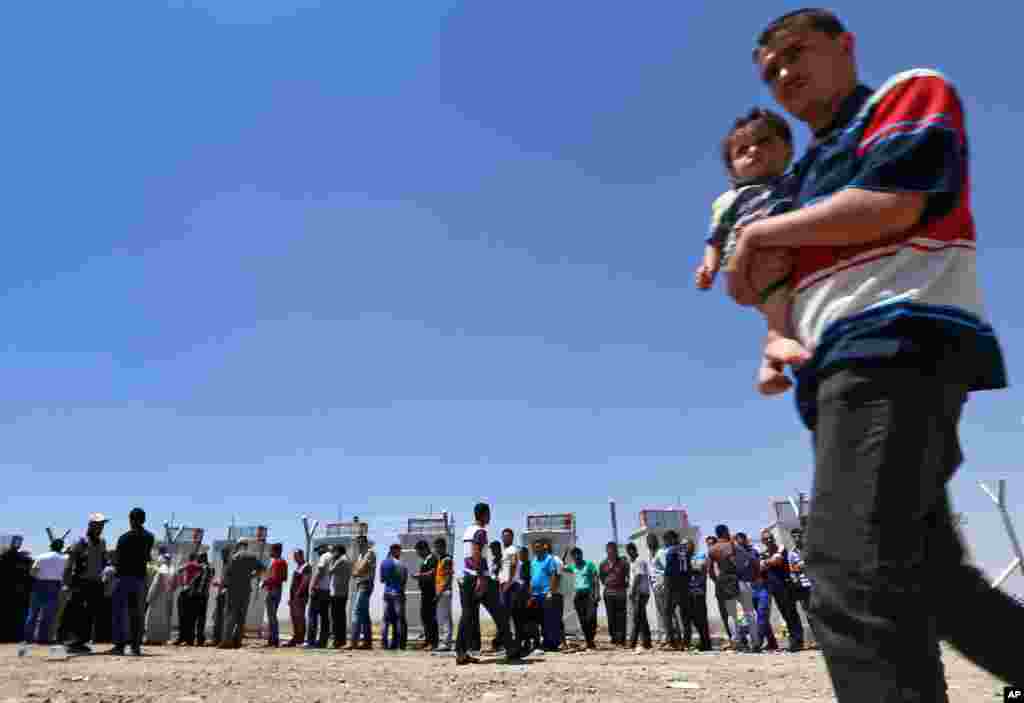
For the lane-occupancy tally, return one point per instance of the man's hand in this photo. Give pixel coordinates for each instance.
(704, 277)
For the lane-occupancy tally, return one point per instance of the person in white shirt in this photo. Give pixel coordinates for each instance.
(48, 571)
(319, 616)
(508, 581)
(639, 595)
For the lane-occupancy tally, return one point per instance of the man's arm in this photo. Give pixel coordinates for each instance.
(851, 217)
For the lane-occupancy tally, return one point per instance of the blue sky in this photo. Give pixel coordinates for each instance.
(276, 258)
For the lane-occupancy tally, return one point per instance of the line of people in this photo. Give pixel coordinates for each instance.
(520, 587)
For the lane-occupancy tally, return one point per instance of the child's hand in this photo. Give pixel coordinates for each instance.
(704, 277)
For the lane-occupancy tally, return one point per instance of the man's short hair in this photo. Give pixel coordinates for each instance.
(56, 545)
(341, 549)
(481, 509)
(137, 516)
(395, 546)
(722, 532)
(652, 542)
(611, 544)
(774, 121)
(242, 544)
(508, 530)
(631, 548)
(671, 537)
(495, 546)
(193, 556)
(740, 535)
(577, 553)
(538, 541)
(441, 543)
(299, 553)
(814, 18)
(421, 545)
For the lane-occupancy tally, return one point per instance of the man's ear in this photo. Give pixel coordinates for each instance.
(848, 41)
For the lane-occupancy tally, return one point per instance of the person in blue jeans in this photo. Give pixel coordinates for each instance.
(394, 575)
(761, 595)
(48, 571)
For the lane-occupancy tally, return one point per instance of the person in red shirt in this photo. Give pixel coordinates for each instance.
(186, 605)
(273, 583)
(298, 597)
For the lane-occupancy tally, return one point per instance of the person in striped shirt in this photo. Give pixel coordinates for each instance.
(885, 298)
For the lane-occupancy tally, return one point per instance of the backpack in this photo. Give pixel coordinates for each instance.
(675, 569)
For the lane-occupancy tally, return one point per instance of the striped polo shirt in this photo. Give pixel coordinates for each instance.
(914, 295)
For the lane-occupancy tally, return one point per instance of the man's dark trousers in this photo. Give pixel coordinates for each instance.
(84, 604)
(677, 602)
(586, 611)
(186, 617)
(697, 617)
(428, 616)
(318, 629)
(201, 604)
(782, 595)
(882, 550)
(641, 628)
(339, 621)
(615, 607)
(234, 616)
(220, 607)
(470, 619)
(128, 601)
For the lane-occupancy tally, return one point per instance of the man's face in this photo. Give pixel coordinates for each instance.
(757, 151)
(538, 550)
(632, 554)
(798, 539)
(506, 538)
(741, 540)
(690, 548)
(362, 543)
(94, 530)
(485, 518)
(612, 552)
(396, 552)
(807, 71)
(768, 540)
(438, 550)
(202, 559)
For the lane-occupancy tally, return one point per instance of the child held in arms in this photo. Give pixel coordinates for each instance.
(756, 152)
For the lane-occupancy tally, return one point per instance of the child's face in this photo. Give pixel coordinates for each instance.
(757, 151)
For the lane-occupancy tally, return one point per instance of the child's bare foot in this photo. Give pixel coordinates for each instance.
(785, 352)
(771, 379)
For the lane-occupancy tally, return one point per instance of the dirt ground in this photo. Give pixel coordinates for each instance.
(190, 675)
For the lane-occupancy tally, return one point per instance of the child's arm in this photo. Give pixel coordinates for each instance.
(705, 274)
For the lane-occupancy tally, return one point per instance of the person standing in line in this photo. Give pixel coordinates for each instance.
(15, 590)
(885, 291)
(529, 639)
(677, 584)
(493, 593)
(340, 570)
(727, 562)
(364, 573)
(658, 588)
(639, 596)
(239, 575)
(557, 597)
(48, 572)
(443, 577)
(614, 572)
(544, 581)
(220, 605)
(508, 581)
(298, 598)
(587, 594)
(160, 602)
(318, 629)
(775, 568)
(475, 590)
(199, 597)
(393, 576)
(799, 581)
(186, 604)
(102, 633)
(762, 597)
(83, 575)
(426, 577)
(697, 608)
(273, 585)
(710, 542)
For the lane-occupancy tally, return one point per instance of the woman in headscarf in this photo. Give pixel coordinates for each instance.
(160, 602)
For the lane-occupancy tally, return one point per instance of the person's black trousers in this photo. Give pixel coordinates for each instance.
(889, 571)
(234, 616)
(641, 628)
(586, 611)
(615, 608)
(677, 602)
(186, 618)
(787, 608)
(84, 606)
(318, 629)
(428, 618)
(802, 597)
(697, 617)
(339, 621)
(469, 621)
(200, 603)
(724, 616)
(219, 613)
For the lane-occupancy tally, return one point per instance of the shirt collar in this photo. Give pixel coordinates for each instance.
(848, 109)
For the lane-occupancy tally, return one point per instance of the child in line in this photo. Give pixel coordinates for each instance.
(756, 152)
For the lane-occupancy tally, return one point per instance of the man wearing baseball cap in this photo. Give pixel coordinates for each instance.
(83, 576)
